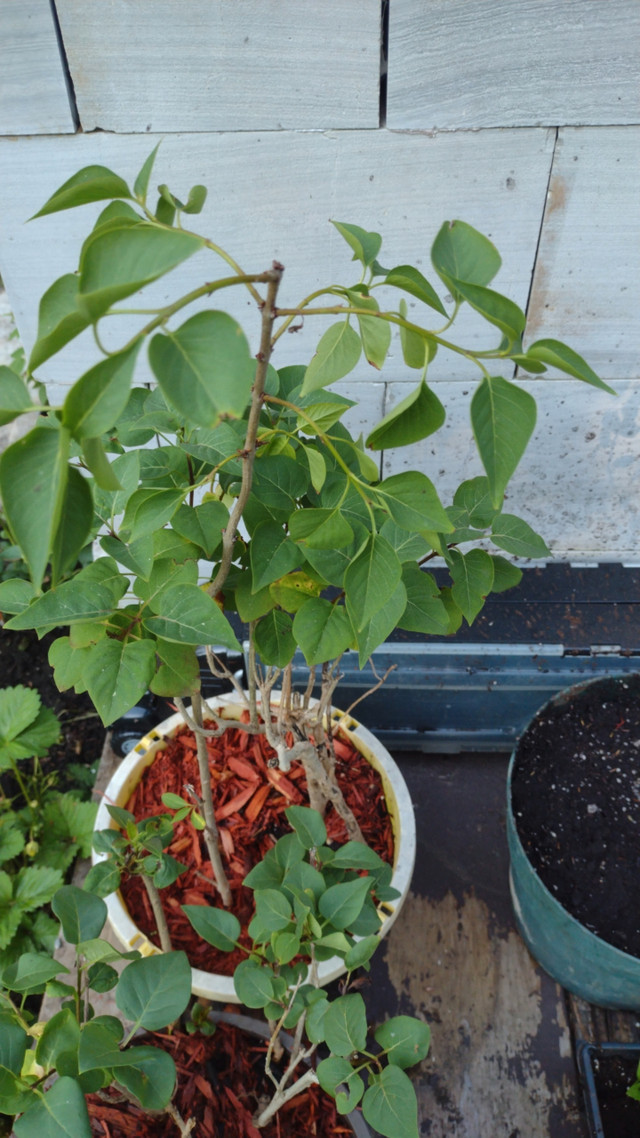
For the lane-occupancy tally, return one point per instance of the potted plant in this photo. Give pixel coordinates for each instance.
(308, 898)
(255, 476)
(571, 825)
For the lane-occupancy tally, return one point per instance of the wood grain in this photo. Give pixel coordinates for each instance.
(33, 91)
(482, 63)
(158, 65)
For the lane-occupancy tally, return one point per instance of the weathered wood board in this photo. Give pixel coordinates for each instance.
(500, 1064)
(486, 63)
(577, 483)
(271, 196)
(158, 65)
(33, 89)
(587, 279)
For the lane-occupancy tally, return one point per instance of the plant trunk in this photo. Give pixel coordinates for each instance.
(210, 832)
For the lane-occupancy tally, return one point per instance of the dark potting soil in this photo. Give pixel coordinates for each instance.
(613, 1074)
(576, 803)
(74, 761)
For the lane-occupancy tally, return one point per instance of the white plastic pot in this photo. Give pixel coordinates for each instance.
(211, 985)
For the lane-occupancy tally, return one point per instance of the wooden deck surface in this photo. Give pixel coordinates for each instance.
(502, 1060)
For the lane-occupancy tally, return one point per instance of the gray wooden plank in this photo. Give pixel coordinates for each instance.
(33, 90)
(587, 278)
(271, 195)
(155, 65)
(478, 63)
(500, 1063)
(577, 483)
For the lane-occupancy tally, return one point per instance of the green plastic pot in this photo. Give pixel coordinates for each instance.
(575, 957)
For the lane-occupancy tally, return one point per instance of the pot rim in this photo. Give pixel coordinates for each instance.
(213, 985)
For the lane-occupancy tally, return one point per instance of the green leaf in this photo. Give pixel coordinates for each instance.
(497, 309)
(98, 398)
(81, 914)
(117, 262)
(61, 1033)
(472, 575)
(179, 670)
(141, 184)
(154, 991)
(389, 1103)
(33, 474)
(342, 903)
(195, 201)
(273, 554)
(91, 184)
(366, 246)
(74, 527)
(375, 332)
(516, 536)
(12, 840)
(273, 909)
(320, 528)
(59, 319)
(559, 355)
(102, 879)
(345, 1025)
(461, 253)
(412, 281)
(187, 615)
(291, 592)
(71, 602)
(137, 556)
(14, 396)
(474, 497)
(371, 580)
(332, 1074)
(34, 886)
(412, 501)
(381, 625)
(361, 952)
(19, 707)
(205, 369)
(15, 595)
(117, 675)
(60, 1113)
(308, 825)
(203, 525)
(217, 926)
(13, 1044)
(336, 355)
(404, 1039)
(503, 417)
(319, 412)
(274, 639)
(253, 984)
(152, 1079)
(100, 1045)
(31, 972)
(356, 855)
(148, 510)
(416, 417)
(425, 611)
(505, 575)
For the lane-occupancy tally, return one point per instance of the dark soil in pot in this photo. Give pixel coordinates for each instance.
(612, 1071)
(220, 1079)
(74, 761)
(576, 803)
(250, 798)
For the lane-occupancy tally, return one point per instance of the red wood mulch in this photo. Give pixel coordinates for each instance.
(217, 1078)
(250, 799)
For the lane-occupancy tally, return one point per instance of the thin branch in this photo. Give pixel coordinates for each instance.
(273, 278)
(158, 913)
